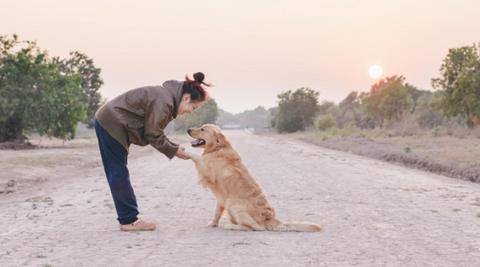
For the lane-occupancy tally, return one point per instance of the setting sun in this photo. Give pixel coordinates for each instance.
(375, 71)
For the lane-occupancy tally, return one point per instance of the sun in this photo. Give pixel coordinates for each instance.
(375, 71)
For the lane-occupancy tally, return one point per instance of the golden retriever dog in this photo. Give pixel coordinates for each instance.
(221, 170)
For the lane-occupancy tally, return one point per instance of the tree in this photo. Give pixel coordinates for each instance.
(206, 113)
(353, 109)
(91, 82)
(351, 102)
(296, 110)
(225, 118)
(325, 107)
(35, 95)
(387, 100)
(425, 116)
(260, 111)
(460, 82)
(415, 94)
(256, 118)
(273, 116)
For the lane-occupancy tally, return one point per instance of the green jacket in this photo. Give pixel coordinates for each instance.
(139, 116)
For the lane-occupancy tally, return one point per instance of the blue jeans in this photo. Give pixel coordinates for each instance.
(114, 157)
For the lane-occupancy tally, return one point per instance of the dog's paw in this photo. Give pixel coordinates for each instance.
(193, 156)
(212, 224)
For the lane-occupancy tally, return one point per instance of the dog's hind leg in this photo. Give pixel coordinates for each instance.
(237, 227)
(243, 218)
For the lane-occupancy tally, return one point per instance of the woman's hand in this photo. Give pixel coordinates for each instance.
(181, 153)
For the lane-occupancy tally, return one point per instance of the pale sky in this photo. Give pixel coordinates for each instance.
(250, 50)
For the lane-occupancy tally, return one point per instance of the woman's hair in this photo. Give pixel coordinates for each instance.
(194, 87)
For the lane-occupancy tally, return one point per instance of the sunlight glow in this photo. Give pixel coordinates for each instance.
(375, 71)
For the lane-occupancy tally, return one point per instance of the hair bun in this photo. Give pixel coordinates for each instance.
(199, 77)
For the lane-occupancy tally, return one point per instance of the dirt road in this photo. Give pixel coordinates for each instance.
(373, 213)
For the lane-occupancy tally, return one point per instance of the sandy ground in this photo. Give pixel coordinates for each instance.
(60, 211)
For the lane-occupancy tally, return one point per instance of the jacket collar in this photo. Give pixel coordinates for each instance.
(176, 88)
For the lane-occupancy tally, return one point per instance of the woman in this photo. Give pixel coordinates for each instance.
(139, 117)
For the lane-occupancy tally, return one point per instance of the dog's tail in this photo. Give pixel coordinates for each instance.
(277, 225)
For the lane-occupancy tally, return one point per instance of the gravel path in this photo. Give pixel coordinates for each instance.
(373, 213)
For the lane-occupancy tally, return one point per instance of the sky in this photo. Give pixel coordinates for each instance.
(250, 50)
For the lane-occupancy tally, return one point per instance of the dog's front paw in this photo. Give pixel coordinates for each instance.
(193, 156)
(212, 224)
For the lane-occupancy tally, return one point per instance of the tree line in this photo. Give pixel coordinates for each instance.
(50, 96)
(392, 100)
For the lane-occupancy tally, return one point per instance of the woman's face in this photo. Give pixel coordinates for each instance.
(187, 106)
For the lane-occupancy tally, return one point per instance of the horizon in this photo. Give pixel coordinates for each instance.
(250, 51)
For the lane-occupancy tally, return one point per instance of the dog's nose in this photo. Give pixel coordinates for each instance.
(189, 130)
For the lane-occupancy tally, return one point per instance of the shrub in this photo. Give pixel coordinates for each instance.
(325, 122)
(439, 131)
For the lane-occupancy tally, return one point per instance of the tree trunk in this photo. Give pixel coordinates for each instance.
(11, 130)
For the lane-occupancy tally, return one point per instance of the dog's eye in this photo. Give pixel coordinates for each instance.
(201, 129)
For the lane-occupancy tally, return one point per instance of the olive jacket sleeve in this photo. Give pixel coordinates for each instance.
(157, 116)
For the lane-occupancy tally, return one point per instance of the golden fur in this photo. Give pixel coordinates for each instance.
(221, 170)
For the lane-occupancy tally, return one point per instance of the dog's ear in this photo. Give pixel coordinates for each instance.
(221, 138)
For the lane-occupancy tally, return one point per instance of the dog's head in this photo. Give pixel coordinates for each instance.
(208, 136)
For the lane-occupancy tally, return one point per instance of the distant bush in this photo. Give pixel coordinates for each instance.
(325, 122)
(411, 129)
(439, 131)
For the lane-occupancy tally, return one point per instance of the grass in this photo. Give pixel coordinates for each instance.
(453, 147)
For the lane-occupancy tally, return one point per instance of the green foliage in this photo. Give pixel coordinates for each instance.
(460, 84)
(206, 113)
(415, 94)
(273, 115)
(257, 118)
(407, 149)
(325, 122)
(225, 118)
(91, 82)
(325, 108)
(352, 102)
(353, 112)
(296, 110)
(387, 100)
(35, 95)
(426, 116)
(342, 114)
(439, 131)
